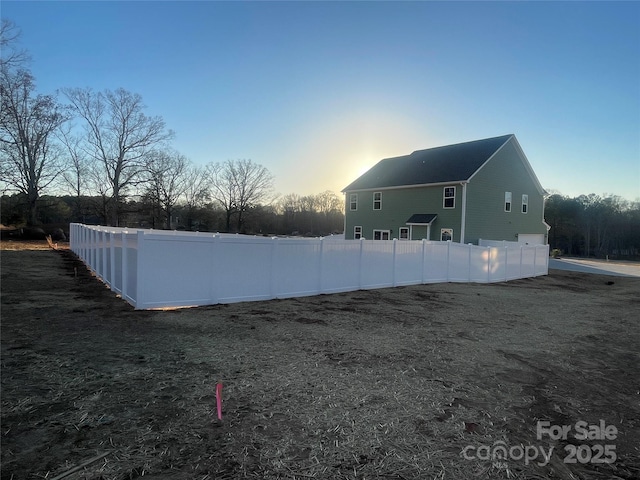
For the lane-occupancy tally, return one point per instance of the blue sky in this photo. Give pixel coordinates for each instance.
(318, 92)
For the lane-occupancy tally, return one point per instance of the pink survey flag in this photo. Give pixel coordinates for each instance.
(219, 400)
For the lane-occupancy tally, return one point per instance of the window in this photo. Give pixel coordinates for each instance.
(404, 233)
(381, 234)
(353, 201)
(449, 198)
(377, 200)
(446, 234)
(507, 201)
(357, 232)
(525, 203)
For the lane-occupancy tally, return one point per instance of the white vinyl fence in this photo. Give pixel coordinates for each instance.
(157, 268)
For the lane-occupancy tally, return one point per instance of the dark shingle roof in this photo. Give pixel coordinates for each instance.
(421, 218)
(451, 163)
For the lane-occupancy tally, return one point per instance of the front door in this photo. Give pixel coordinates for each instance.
(381, 234)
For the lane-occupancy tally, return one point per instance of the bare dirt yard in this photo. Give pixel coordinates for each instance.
(443, 381)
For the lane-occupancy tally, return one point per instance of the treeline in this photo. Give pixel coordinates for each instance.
(594, 226)
(97, 157)
(310, 215)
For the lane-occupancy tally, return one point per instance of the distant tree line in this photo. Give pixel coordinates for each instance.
(98, 157)
(591, 225)
(281, 217)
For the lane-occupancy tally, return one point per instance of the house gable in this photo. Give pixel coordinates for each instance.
(440, 165)
(462, 186)
(507, 174)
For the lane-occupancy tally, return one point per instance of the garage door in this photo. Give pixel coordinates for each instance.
(531, 238)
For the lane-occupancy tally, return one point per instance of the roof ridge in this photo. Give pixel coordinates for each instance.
(506, 137)
(436, 165)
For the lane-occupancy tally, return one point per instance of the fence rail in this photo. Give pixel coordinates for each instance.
(157, 268)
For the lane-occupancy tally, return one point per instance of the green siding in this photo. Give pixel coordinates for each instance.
(485, 214)
(398, 205)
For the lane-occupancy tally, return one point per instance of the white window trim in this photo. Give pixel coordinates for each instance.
(353, 198)
(379, 201)
(525, 204)
(382, 232)
(442, 230)
(400, 230)
(508, 200)
(357, 230)
(444, 197)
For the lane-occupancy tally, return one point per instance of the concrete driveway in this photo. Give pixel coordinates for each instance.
(602, 267)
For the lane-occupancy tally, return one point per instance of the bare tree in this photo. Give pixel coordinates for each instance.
(29, 157)
(75, 177)
(12, 56)
(167, 180)
(118, 137)
(196, 193)
(328, 202)
(238, 185)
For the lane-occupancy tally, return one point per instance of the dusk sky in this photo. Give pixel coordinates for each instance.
(319, 92)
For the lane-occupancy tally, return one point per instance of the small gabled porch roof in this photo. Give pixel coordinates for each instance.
(422, 219)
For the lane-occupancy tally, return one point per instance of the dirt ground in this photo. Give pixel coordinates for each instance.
(421, 382)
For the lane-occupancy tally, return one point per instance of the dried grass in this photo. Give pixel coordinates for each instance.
(389, 384)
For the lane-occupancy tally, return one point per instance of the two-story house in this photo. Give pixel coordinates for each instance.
(480, 189)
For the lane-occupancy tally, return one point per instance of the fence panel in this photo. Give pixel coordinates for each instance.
(130, 267)
(497, 266)
(341, 265)
(408, 263)
(242, 269)
(154, 269)
(376, 267)
(435, 263)
(295, 270)
(176, 270)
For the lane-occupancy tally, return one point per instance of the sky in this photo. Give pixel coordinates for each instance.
(318, 92)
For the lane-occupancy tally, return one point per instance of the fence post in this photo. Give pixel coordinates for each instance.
(112, 246)
(94, 249)
(448, 257)
(104, 257)
(141, 269)
(320, 266)
(468, 262)
(393, 267)
(535, 265)
(424, 253)
(83, 243)
(488, 264)
(272, 284)
(213, 287)
(360, 264)
(124, 265)
(506, 263)
(546, 261)
(520, 261)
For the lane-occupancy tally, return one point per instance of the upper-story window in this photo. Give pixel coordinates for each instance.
(449, 197)
(525, 203)
(507, 201)
(353, 201)
(377, 200)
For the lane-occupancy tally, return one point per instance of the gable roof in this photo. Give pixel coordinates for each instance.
(451, 163)
(421, 218)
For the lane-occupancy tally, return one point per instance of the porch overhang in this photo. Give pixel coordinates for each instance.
(422, 219)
